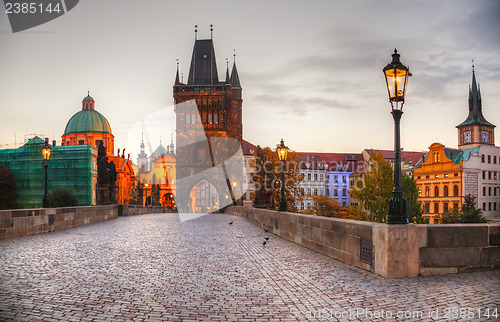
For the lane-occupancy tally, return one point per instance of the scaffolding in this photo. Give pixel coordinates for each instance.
(69, 166)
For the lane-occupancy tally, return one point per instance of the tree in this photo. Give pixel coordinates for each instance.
(7, 188)
(63, 197)
(470, 214)
(375, 190)
(451, 216)
(414, 208)
(293, 178)
(328, 207)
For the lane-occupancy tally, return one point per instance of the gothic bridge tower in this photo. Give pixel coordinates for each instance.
(208, 115)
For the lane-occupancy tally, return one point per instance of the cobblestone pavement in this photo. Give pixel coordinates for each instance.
(153, 267)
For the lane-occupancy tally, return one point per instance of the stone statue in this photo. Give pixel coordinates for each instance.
(262, 181)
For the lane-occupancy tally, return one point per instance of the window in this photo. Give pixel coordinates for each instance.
(446, 175)
(489, 191)
(445, 206)
(193, 119)
(308, 191)
(210, 118)
(489, 158)
(344, 179)
(495, 192)
(455, 190)
(455, 205)
(494, 159)
(188, 119)
(427, 208)
(484, 206)
(327, 177)
(315, 177)
(445, 191)
(335, 192)
(315, 191)
(321, 177)
(321, 191)
(484, 191)
(301, 206)
(495, 206)
(489, 175)
(419, 191)
(81, 142)
(436, 208)
(494, 175)
(482, 158)
(302, 190)
(484, 174)
(489, 206)
(344, 203)
(344, 192)
(216, 118)
(427, 191)
(327, 190)
(436, 191)
(309, 177)
(335, 179)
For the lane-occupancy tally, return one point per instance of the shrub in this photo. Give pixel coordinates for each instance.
(63, 197)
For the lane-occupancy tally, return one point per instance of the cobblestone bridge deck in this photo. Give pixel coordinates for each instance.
(153, 267)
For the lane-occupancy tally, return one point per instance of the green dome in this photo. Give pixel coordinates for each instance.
(87, 121)
(88, 98)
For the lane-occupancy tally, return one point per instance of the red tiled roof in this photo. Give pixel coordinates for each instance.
(333, 160)
(247, 146)
(406, 156)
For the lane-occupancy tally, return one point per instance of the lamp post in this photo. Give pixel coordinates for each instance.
(396, 77)
(146, 200)
(282, 151)
(46, 156)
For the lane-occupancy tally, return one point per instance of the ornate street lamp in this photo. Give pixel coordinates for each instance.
(282, 151)
(396, 77)
(146, 200)
(46, 156)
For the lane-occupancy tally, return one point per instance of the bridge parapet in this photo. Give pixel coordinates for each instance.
(387, 250)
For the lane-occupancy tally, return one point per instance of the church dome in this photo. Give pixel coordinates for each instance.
(87, 120)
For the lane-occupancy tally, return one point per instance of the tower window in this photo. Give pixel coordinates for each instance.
(210, 118)
(216, 118)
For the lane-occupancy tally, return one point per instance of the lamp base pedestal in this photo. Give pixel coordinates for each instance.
(397, 211)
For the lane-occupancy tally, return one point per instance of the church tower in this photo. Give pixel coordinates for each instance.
(142, 158)
(475, 130)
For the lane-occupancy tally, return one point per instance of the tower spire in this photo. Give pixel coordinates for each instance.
(177, 74)
(235, 79)
(211, 31)
(228, 80)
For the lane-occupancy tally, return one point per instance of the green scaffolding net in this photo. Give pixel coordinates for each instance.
(69, 166)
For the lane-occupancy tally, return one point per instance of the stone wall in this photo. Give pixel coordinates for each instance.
(387, 250)
(15, 223)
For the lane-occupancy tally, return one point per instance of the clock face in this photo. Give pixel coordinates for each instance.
(485, 137)
(467, 137)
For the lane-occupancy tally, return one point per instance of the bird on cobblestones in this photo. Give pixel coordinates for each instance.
(264, 243)
(267, 238)
(266, 230)
(231, 223)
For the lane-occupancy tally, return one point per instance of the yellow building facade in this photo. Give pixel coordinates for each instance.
(439, 178)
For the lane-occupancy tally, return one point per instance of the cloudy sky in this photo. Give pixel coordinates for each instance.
(311, 71)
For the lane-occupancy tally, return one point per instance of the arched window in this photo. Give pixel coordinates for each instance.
(436, 191)
(455, 190)
(445, 191)
(427, 191)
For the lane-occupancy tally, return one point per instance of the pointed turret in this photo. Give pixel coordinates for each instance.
(228, 79)
(172, 146)
(177, 82)
(475, 105)
(203, 69)
(235, 79)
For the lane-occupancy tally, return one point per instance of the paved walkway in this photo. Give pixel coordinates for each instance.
(153, 267)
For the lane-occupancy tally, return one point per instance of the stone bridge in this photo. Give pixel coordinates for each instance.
(155, 267)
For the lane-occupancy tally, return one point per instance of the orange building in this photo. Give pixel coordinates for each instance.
(89, 127)
(125, 179)
(439, 179)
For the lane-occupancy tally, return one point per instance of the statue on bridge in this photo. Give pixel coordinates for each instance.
(262, 181)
